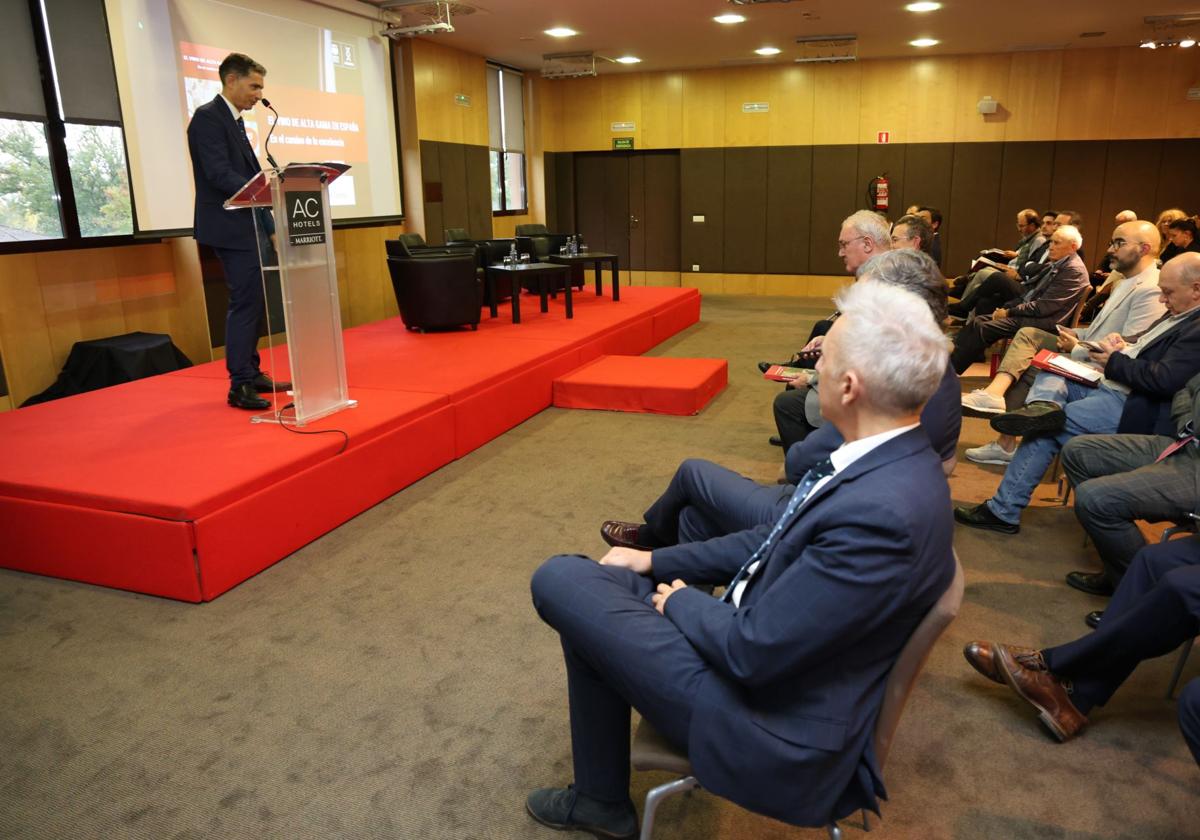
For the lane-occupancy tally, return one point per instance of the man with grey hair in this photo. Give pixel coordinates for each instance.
(1049, 300)
(774, 688)
(713, 500)
(864, 234)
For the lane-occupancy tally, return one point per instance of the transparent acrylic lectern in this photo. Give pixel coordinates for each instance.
(299, 196)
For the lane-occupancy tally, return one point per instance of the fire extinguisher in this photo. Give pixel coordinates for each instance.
(877, 193)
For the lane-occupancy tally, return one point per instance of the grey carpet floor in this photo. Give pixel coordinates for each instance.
(392, 680)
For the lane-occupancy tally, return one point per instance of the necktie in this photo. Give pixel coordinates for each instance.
(807, 483)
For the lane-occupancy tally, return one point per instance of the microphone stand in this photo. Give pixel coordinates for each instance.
(267, 142)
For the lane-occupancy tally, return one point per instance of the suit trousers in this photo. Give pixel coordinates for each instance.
(705, 500)
(992, 290)
(243, 276)
(1117, 482)
(1154, 610)
(620, 653)
(792, 416)
(972, 339)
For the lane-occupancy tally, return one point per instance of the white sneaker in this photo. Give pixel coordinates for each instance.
(981, 400)
(989, 453)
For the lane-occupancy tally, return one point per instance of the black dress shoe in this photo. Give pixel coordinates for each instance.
(566, 809)
(981, 516)
(263, 384)
(1091, 583)
(244, 396)
(1092, 619)
(775, 440)
(1039, 417)
(763, 366)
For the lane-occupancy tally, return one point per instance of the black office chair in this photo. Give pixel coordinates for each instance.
(437, 292)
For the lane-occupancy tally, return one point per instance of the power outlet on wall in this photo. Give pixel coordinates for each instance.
(695, 267)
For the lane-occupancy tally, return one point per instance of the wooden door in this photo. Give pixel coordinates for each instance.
(628, 203)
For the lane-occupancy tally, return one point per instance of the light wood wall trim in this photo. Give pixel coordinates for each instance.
(1077, 94)
(772, 285)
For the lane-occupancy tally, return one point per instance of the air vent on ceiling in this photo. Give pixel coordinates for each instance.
(568, 65)
(756, 2)
(1091, 34)
(820, 48)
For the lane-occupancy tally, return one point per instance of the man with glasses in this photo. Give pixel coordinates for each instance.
(912, 232)
(1134, 305)
(1048, 301)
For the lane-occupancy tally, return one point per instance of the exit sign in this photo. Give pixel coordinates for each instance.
(622, 142)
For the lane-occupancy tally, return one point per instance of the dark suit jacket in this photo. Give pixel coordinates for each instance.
(784, 720)
(1054, 296)
(941, 419)
(1161, 368)
(222, 162)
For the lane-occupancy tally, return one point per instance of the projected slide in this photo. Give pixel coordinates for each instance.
(328, 76)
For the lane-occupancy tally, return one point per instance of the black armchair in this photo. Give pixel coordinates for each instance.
(437, 291)
(412, 240)
(456, 235)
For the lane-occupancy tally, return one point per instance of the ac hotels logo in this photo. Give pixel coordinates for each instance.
(306, 219)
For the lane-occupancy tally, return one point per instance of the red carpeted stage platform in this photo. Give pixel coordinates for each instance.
(156, 486)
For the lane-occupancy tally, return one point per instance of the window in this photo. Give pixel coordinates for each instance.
(506, 138)
(63, 174)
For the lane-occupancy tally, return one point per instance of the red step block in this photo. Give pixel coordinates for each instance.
(646, 384)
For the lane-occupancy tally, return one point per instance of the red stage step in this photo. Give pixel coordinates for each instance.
(156, 486)
(647, 384)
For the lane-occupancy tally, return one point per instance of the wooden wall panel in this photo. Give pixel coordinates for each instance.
(932, 97)
(882, 106)
(662, 111)
(1033, 96)
(837, 93)
(1141, 78)
(621, 101)
(1077, 184)
(979, 76)
(747, 84)
(550, 170)
(789, 208)
(455, 193)
(702, 193)
(565, 177)
(432, 190)
(582, 110)
(1130, 183)
(927, 169)
(1026, 173)
(971, 217)
(477, 168)
(791, 95)
(835, 195)
(439, 73)
(1178, 183)
(24, 335)
(1182, 116)
(703, 109)
(547, 96)
(588, 179)
(1085, 95)
(615, 196)
(745, 211)
(660, 219)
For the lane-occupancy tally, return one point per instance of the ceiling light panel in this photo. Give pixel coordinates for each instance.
(923, 7)
(768, 50)
(561, 32)
(925, 42)
(730, 19)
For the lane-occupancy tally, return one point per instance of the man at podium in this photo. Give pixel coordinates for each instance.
(222, 162)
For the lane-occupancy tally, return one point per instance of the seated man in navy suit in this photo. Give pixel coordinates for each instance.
(705, 500)
(1156, 608)
(774, 689)
(222, 162)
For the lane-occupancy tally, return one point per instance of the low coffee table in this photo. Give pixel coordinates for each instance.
(595, 258)
(543, 273)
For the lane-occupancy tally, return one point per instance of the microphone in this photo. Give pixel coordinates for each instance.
(267, 142)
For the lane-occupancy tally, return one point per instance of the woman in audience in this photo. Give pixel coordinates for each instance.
(1182, 233)
(1164, 222)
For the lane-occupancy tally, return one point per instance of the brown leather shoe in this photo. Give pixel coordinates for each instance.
(982, 657)
(622, 535)
(1042, 690)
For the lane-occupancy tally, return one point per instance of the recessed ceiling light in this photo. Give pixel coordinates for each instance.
(768, 51)
(730, 19)
(1187, 42)
(628, 59)
(1148, 45)
(923, 7)
(925, 42)
(561, 32)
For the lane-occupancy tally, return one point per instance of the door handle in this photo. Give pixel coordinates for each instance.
(633, 221)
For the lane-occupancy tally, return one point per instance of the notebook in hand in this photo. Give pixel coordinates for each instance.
(780, 373)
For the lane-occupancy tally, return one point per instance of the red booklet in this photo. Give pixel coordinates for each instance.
(780, 373)
(1067, 368)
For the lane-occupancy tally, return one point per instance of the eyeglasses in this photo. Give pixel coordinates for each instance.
(896, 239)
(1118, 244)
(843, 244)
